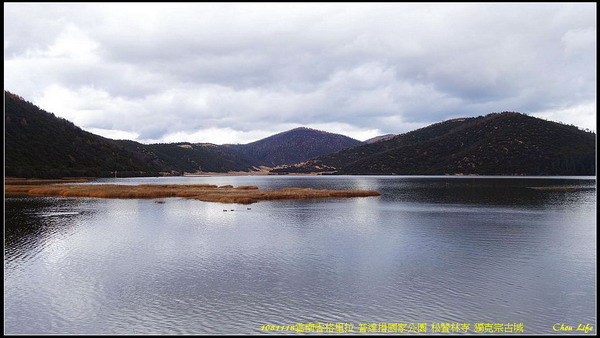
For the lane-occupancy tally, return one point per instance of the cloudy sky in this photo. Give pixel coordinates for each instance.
(235, 73)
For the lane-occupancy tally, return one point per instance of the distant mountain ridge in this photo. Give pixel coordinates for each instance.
(39, 144)
(296, 145)
(506, 143)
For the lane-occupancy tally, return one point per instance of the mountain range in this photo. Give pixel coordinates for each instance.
(506, 143)
(39, 144)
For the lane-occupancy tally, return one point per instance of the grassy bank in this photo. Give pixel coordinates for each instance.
(204, 192)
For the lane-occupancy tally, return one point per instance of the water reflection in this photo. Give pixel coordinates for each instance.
(506, 191)
(428, 250)
(31, 222)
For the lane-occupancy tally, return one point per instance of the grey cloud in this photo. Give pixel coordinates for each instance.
(187, 67)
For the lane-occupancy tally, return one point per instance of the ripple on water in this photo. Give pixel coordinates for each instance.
(185, 267)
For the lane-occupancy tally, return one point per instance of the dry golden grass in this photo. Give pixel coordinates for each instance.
(13, 180)
(247, 187)
(208, 193)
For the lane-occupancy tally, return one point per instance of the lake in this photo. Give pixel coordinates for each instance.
(466, 250)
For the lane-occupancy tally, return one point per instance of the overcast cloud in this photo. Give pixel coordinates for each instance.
(235, 73)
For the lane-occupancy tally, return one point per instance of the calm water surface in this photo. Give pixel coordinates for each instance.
(428, 250)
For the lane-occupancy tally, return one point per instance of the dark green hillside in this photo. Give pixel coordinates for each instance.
(39, 144)
(188, 157)
(342, 158)
(497, 144)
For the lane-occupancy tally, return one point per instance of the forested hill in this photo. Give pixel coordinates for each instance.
(506, 143)
(39, 144)
(296, 145)
(188, 157)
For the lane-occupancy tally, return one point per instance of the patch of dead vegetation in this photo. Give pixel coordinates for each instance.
(202, 192)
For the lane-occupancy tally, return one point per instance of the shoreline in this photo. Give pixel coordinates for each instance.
(245, 173)
(28, 181)
(19, 181)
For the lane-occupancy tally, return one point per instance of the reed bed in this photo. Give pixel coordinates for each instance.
(205, 192)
